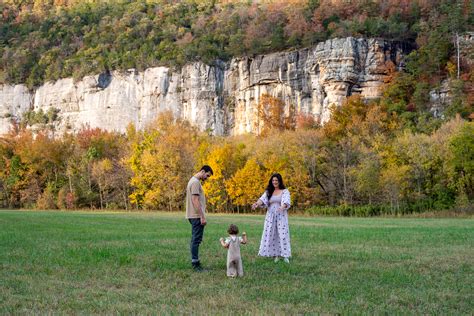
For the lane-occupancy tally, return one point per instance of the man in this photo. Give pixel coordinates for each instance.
(196, 212)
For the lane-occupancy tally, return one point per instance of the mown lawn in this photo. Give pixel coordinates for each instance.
(83, 263)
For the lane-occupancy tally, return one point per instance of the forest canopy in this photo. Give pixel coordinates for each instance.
(42, 40)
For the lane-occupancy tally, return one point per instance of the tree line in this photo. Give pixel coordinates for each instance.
(364, 161)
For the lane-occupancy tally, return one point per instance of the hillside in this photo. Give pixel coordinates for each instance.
(48, 40)
(365, 107)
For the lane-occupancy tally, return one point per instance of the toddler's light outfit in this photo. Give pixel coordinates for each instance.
(234, 260)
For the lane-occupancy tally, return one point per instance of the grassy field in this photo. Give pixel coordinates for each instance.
(80, 262)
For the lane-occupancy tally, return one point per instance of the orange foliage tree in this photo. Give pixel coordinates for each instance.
(272, 113)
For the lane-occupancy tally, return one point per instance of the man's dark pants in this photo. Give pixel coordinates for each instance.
(196, 238)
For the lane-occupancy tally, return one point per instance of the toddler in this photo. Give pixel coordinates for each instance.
(232, 243)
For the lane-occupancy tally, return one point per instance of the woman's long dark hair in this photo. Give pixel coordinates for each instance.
(271, 188)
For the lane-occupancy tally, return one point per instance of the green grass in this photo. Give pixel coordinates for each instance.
(82, 262)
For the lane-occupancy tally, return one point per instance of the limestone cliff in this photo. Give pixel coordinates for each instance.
(221, 98)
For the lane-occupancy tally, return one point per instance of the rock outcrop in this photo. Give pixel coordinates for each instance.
(221, 98)
(441, 96)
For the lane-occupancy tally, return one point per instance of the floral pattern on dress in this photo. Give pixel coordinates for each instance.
(275, 240)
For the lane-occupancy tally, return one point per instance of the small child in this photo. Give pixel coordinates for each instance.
(232, 243)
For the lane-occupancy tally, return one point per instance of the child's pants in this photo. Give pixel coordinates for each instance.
(234, 267)
(234, 260)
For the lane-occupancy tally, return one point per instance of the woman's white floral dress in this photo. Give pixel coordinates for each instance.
(276, 233)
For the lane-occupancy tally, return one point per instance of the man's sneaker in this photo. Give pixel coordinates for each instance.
(198, 268)
(286, 260)
(276, 259)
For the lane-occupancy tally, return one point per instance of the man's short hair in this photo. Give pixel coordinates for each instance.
(207, 168)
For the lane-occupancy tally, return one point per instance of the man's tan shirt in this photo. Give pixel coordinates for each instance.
(194, 188)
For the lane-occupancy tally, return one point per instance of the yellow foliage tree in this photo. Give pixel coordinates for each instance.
(162, 161)
(101, 172)
(248, 184)
(281, 152)
(224, 160)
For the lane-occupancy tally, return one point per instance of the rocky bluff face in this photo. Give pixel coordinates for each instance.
(222, 98)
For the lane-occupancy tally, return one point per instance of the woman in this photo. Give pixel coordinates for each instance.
(276, 235)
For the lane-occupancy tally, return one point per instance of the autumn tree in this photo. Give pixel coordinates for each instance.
(273, 113)
(224, 160)
(101, 173)
(86, 179)
(9, 172)
(247, 184)
(41, 160)
(461, 163)
(162, 160)
(367, 177)
(310, 146)
(341, 150)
